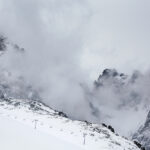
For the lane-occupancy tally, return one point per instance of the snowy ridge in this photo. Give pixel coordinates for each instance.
(83, 134)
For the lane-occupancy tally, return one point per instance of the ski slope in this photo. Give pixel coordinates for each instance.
(17, 136)
(26, 125)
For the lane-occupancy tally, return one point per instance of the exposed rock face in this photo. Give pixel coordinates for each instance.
(2, 43)
(143, 134)
(110, 76)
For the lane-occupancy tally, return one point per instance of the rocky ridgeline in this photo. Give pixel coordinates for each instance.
(143, 134)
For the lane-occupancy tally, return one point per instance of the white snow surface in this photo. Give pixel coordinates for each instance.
(30, 125)
(16, 136)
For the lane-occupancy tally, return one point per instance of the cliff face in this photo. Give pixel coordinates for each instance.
(143, 134)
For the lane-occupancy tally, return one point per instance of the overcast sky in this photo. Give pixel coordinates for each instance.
(98, 34)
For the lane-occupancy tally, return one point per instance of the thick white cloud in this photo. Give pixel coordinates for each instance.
(101, 33)
(69, 42)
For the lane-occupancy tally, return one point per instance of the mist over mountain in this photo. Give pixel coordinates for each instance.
(114, 98)
(143, 133)
(88, 59)
(118, 99)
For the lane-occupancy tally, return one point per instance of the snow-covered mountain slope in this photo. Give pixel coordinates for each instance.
(32, 120)
(143, 134)
(16, 136)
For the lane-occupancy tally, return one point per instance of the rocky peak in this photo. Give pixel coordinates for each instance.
(110, 76)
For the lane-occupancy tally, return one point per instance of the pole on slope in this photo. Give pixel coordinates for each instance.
(84, 138)
(35, 123)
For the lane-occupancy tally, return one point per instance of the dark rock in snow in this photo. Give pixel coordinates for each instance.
(111, 129)
(138, 144)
